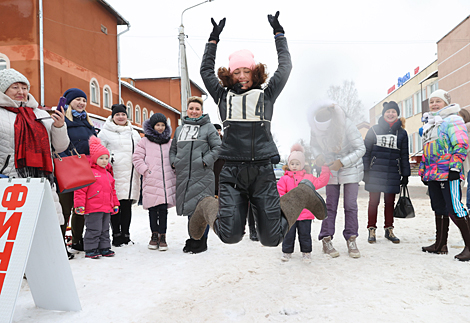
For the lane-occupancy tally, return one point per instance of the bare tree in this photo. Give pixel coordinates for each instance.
(348, 98)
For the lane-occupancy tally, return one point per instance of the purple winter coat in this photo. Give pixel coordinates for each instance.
(152, 160)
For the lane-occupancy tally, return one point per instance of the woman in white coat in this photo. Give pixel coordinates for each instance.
(22, 122)
(121, 139)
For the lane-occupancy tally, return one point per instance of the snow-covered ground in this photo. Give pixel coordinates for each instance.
(247, 282)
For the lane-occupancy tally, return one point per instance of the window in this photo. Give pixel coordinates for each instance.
(419, 146)
(130, 111)
(408, 103)
(410, 143)
(434, 86)
(107, 97)
(137, 114)
(417, 102)
(144, 114)
(168, 122)
(151, 113)
(94, 92)
(4, 62)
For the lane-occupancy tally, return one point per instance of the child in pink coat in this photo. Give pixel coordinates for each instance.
(97, 202)
(152, 160)
(290, 180)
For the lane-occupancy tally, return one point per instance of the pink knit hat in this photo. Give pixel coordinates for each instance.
(297, 152)
(97, 149)
(241, 58)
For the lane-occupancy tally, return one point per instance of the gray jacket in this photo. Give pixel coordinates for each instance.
(350, 154)
(193, 151)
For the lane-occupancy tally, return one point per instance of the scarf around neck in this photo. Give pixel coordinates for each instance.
(32, 147)
(79, 115)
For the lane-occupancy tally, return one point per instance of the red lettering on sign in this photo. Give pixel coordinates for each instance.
(2, 279)
(14, 191)
(13, 223)
(5, 256)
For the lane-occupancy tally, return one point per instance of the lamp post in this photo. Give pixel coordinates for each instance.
(185, 84)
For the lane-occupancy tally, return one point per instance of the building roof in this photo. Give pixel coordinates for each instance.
(148, 96)
(120, 19)
(453, 29)
(172, 77)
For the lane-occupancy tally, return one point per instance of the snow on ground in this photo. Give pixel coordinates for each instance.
(247, 282)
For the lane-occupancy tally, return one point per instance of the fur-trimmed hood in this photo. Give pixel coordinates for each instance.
(149, 131)
(337, 111)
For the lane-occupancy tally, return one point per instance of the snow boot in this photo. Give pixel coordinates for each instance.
(372, 238)
(464, 226)
(107, 252)
(352, 247)
(162, 245)
(390, 235)
(307, 257)
(304, 196)
(328, 247)
(253, 234)
(153, 243)
(286, 256)
(77, 247)
(188, 245)
(199, 246)
(118, 239)
(442, 230)
(92, 254)
(204, 214)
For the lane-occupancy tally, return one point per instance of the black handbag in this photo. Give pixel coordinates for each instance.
(404, 208)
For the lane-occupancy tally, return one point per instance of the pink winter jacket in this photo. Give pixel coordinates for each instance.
(291, 180)
(99, 196)
(152, 160)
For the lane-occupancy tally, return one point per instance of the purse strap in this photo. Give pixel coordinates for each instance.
(404, 191)
(72, 150)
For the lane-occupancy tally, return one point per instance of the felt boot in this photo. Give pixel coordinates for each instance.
(442, 230)
(464, 226)
(302, 197)
(199, 245)
(205, 213)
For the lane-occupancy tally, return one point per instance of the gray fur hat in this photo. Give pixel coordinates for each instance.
(9, 76)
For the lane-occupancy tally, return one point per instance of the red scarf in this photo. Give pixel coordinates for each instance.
(32, 147)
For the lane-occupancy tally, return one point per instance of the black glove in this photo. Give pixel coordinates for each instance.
(453, 175)
(277, 28)
(404, 180)
(216, 30)
(275, 159)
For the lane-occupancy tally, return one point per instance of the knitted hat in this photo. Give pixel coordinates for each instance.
(73, 93)
(97, 149)
(390, 105)
(217, 126)
(241, 58)
(116, 108)
(441, 94)
(9, 76)
(156, 118)
(297, 152)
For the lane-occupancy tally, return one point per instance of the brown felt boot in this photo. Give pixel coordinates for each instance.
(442, 231)
(464, 226)
(205, 213)
(302, 197)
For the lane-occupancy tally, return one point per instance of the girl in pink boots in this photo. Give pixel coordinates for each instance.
(291, 179)
(152, 160)
(97, 202)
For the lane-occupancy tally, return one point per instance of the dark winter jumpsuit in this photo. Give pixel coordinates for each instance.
(247, 147)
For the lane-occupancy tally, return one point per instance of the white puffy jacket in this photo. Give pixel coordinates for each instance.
(57, 136)
(121, 142)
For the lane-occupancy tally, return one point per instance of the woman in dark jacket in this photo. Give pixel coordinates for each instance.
(246, 109)
(79, 129)
(386, 167)
(194, 149)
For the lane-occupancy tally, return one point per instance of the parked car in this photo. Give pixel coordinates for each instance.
(278, 171)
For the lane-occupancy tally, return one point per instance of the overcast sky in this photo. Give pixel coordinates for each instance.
(370, 42)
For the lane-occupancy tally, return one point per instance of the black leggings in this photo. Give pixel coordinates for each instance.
(121, 221)
(158, 218)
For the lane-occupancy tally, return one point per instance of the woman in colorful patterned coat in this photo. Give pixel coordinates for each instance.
(445, 144)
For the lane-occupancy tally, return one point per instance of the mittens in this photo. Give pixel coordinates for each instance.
(116, 210)
(217, 29)
(277, 28)
(80, 210)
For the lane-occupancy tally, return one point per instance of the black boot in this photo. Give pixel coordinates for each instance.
(199, 246)
(188, 246)
(464, 226)
(253, 234)
(442, 229)
(118, 239)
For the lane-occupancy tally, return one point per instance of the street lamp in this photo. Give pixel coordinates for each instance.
(185, 84)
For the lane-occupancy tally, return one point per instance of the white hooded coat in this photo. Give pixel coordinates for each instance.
(121, 141)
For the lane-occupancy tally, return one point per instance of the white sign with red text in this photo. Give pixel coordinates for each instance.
(31, 243)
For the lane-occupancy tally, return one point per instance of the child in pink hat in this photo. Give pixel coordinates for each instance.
(97, 202)
(294, 174)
